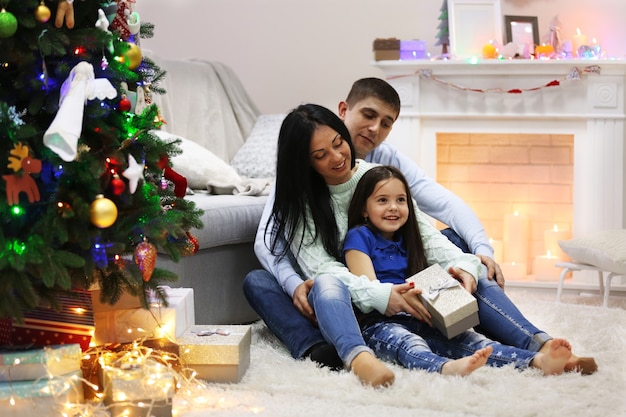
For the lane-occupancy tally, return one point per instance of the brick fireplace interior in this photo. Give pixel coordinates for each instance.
(498, 174)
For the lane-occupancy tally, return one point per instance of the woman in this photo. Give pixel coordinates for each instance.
(302, 204)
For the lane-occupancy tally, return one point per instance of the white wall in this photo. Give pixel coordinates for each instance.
(291, 51)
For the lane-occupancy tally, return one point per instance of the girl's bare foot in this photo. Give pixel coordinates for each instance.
(372, 371)
(468, 364)
(552, 360)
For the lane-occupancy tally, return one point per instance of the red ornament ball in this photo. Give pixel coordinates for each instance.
(118, 186)
(124, 104)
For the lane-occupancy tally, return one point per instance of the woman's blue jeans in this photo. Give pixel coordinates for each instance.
(330, 300)
(405, 341)
(500, 319)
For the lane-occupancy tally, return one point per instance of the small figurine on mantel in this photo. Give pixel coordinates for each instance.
(443, 36)
(553, 37)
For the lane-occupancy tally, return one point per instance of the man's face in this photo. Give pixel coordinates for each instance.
(369, 122)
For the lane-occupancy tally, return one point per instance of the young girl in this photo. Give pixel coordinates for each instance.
(384, 243)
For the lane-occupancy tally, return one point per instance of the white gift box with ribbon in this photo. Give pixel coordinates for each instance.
(126, 325)
(453, 309)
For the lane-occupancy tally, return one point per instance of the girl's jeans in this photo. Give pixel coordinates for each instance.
(403, 340)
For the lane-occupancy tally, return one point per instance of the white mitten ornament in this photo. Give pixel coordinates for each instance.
(81, 85)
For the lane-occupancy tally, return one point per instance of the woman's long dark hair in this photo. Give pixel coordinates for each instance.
(410, 231)
(300, 190)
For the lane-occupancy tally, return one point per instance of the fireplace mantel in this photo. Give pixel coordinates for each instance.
(462, 97)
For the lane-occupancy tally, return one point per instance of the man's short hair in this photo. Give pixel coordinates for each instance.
(374, 87)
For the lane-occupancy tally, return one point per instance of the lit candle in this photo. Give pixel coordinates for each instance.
(578, 40)
(497, 246)
(551, 239)
(544, 269)
(515, 238)
(514, 271)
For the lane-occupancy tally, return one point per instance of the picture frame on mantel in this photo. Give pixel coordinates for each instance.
(521, 30)
(471, 25)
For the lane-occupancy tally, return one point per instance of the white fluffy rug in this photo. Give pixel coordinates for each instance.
(276, 385)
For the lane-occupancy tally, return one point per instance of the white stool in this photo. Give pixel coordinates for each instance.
(605, 286)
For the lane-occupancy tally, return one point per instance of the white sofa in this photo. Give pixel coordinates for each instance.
(207, 107)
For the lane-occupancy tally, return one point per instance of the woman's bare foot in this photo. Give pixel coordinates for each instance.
(584, 365)
(553, 358)
(547, 346)
(468, 364)
(372, 371)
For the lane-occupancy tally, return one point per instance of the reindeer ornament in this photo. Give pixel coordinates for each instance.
(23, 165)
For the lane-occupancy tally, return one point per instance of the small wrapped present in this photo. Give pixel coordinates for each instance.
(217, 353)
(126, 301)
(413, 49)
(30, 364)
(137, 386)
(41, 397)
(453, 309)
(43, 326)
(164, 351)
(128, 325)
(386, 49)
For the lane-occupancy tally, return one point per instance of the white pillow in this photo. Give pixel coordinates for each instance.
(257, 157)
(605, 250)
(202, 168)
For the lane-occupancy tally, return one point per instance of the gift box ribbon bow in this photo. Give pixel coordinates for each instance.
(437, 288)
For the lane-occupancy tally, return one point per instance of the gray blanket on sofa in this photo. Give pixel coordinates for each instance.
(216, 106)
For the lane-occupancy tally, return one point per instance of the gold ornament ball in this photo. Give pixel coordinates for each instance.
(102, 212)
(133, 56)
(42, 13)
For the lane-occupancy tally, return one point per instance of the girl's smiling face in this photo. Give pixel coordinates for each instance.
(387, 208)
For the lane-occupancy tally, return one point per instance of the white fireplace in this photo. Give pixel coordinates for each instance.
(519, 96)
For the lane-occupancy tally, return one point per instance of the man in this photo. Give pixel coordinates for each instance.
(279, 293)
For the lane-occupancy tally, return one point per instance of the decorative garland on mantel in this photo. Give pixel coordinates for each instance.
(574, 74)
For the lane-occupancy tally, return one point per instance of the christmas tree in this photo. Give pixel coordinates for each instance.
(85, 198)
(443, 34)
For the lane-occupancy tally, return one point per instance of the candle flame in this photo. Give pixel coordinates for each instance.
(578, 31)
(548, 254)
(516, 213)
(556, 228)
